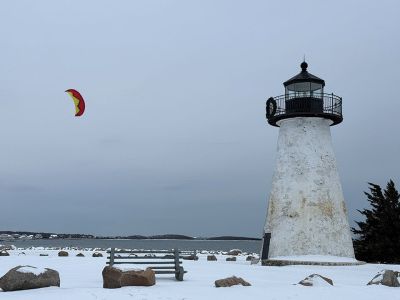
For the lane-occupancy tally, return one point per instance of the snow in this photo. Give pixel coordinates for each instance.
(316, 258)
(30, 269)
(125, 269)
(316, 280)
(81, 279)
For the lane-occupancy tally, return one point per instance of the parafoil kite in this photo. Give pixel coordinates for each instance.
(78, 100)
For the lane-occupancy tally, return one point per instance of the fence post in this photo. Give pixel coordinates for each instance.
(112, 257)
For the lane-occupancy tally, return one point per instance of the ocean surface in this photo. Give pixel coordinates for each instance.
(246, 246)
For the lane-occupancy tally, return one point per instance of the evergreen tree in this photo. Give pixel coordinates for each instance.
(379, 235)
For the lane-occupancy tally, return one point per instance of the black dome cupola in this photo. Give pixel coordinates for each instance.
(304, 82)
(304, 97)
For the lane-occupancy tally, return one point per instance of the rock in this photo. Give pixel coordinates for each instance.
(138, 278)
(249, 258)
(111, 277)
(80, 255)
(254, 261)
(386, 277)
(231, 258)
(4, 253)
(116, 278)
(43, 254)
(235, 252)
(316, 280)
(170, 256)
(211, 257)
(227, 282)
(191, 257)
(63, 253)
(97, 254)
(28, 277)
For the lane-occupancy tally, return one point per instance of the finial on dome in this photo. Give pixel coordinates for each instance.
(304, 66)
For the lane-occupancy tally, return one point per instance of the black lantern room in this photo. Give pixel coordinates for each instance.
(304, 97)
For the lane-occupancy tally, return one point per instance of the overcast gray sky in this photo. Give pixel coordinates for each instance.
(174, 138)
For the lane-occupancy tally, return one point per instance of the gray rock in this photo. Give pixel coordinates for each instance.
(116, 278)
(386, 277)
(21, 279)
(249, 258)
(227, 282)
(4, 253)
(80, 255)
(211, 257)
(254, 261)
(97, 254)
(235, 252)
(63, 253)
(311, 280)
(231, 258)
(190, 257)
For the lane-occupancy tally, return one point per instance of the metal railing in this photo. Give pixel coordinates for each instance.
(320, 105)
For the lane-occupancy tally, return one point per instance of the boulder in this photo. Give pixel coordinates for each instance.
(249, 258)
(235, 252)
(231, 258)
(97, 254)
(80, 255)
(316, 280)
(4, 253)
(211, 257)
(191, 257)
(63, 253)
(254, 261)
(227, 282)
(43, 254)
(116, 278)
(111, 277)
(386, 277)
(138, 278)
(28, 277)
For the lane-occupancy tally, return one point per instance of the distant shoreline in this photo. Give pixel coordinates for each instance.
(25, 235)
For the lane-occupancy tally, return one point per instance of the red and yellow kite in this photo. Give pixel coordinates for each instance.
(78, 100)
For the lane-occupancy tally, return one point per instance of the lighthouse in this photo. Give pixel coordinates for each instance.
(306, 219)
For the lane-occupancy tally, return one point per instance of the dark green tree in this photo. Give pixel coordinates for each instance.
(378, 237)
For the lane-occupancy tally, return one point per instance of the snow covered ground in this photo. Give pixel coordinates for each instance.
(81, 279)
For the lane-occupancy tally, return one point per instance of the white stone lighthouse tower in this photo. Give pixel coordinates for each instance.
(306, 220)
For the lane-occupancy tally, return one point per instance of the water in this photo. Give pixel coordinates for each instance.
(247, 246)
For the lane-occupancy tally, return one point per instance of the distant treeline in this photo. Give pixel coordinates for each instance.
(181, 237)
(47, 235)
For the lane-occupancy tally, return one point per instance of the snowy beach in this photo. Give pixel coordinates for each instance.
(81, 278)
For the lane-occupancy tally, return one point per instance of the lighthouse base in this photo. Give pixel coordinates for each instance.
(315, 260)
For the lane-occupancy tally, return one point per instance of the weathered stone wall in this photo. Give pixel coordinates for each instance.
(306, 210)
